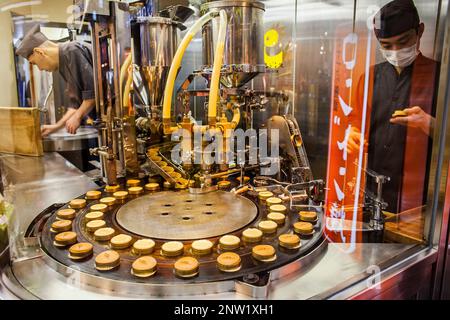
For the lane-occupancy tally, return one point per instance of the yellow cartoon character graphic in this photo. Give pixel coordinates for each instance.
(273, 52)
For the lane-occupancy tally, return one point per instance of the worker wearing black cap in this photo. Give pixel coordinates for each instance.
(73, 60)
(398, 145)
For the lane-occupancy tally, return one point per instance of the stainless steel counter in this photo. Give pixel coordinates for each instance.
(36, 183)
(32, 184)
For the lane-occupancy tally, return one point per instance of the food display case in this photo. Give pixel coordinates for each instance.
(226, 170)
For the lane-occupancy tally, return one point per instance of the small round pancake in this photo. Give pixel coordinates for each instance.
(155, 157)
(308, 216)
(61, 226)
(201, 247)
(64, 239)
(303, 228)
(133, 183)
(268, 226)
(229, 242)
(80, 250)
(277, 217)
(93, 225)
(168, 169)
(246, 179)
(162, 164)
(104, 234)
(93, 195)
(94, 215)
(264, 253)
(175, 175)
(264, 195)
(152, 186)
(66, 214)
(112, 189)
(109, 201)
(172, 248)
(252, 235)
(289, 241)
(77, 203)
(135, 190)
(278, 208)
(229, 262)
(121, 241)
(399, 113)
(99, 207)
(107, 260)
(186, 267)
(143, 246)
(273, 200)
(152, 152)
(222, 185)
(144, 267)
(121, 195)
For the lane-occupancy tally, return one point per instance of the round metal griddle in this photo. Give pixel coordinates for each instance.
(164, 280)
(185, 216)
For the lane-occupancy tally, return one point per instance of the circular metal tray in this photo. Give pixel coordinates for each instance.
(165, 276)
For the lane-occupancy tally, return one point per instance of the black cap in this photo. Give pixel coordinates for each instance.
(33, 39)
(395, 18)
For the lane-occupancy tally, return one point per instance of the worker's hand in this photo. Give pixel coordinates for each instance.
(48, 129)
(354, 141)
(416, 118)
(73, 123)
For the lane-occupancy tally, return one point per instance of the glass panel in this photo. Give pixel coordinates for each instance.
(127, 110)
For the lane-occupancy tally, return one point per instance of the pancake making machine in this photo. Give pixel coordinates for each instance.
(186, 178)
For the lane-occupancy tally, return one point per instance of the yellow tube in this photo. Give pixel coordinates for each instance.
(168, 92)
(176, 63)
(236, 118)
(217, 66)
(124, 70)
(126, 93)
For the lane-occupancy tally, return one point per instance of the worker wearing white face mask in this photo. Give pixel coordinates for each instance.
(401, 58)
(398, 146)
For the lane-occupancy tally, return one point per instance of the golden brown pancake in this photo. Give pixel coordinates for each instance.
(77, 203)
(93, 195)
(289, 241)
(144, 267)
(104, 234)
(252, 235)
(107, 260)
(186, 267)
(121, 241)
(61, 226)
(172, 248)
(64, 239)
(264, 253)
(229, 242)
(66, 214)
(80, 250)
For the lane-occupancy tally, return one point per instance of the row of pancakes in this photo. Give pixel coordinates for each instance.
(186, 266)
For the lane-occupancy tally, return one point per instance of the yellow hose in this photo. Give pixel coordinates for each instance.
(236, 118)
(124, 70)
(128, 84)
(167, 104)
(176, 63)
(217, 66)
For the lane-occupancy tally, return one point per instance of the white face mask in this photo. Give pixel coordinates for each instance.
(401, 58)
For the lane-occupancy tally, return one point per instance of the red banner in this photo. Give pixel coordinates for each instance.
(354, 53)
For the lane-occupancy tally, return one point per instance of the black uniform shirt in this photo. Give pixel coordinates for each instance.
(387, 141)
(391, 92)
(75, 66)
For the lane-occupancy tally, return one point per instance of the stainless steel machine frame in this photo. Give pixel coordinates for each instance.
(405, 271)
